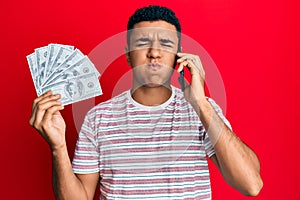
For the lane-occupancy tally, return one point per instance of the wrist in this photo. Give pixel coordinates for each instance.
(203, 103)
(58, 148)
(202, 106)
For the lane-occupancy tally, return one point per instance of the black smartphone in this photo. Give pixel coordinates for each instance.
(181, 78)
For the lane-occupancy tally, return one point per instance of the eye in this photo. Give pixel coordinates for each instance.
(141, 42)
(140, 45)
(166, 45)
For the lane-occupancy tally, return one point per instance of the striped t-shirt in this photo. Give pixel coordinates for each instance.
(146, 152)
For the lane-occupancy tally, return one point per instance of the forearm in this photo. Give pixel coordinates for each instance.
(65, 183)
(237, 162)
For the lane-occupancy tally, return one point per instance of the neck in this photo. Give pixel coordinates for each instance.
(151, 96)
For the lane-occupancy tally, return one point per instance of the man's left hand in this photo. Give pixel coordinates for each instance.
(194, 93)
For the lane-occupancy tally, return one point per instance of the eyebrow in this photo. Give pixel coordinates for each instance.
(143, 39)
(167, 41)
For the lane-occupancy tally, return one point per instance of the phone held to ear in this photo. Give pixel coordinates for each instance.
(181, 78)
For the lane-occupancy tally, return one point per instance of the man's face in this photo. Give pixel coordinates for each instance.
(152, 50)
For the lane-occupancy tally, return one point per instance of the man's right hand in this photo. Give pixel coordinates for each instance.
(47, 120)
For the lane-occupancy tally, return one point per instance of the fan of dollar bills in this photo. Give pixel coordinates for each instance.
(64, 70)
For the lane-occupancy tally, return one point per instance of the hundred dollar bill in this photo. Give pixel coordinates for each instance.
(76, 89)
(63, 53)
(53, 50)
(83, 66)
(31, 59)
(69, 61)
(41, 58)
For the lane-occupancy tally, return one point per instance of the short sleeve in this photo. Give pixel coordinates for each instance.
(86, 156)
(209, 149)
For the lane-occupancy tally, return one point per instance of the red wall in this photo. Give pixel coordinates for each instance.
(254, 44)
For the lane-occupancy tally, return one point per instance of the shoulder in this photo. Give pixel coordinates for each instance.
(219, 111)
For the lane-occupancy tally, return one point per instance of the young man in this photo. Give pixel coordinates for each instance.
(149, 142)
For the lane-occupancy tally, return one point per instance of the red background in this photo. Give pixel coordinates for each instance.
(255, 45)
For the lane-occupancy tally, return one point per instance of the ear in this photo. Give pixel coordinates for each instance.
(126, 49)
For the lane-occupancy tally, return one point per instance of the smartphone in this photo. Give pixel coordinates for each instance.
(181, 78)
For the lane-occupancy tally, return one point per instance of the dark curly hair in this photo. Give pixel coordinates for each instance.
(154, 13)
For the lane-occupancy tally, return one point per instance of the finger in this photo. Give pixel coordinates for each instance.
(43, 100)
(188, 63)
(194, 63)
(193, 68)
(198, 64)
(35, 101)
(40, 111)
(42, 96)
(183, 58)
(180, 54)
(54, 110)
(182, 65)
(50, 98)
(190, 59)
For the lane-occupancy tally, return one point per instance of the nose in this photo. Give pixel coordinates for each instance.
(154, 51)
